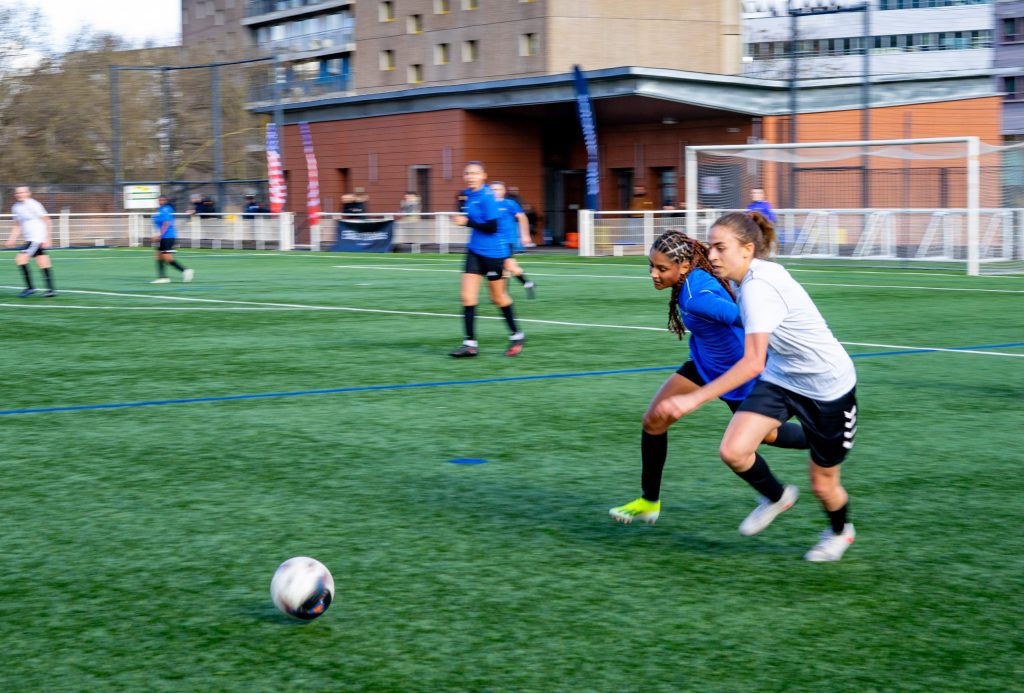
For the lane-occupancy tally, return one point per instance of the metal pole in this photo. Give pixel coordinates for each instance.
(165, 97)
(973, 199)
(865, 122)
(115, 135)
(279, 110)
(218, 144)
(794, 74)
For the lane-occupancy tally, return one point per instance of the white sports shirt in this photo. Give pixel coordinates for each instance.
(29, 215)
(803, 356)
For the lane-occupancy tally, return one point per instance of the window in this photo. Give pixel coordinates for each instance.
(1012, 86)
(442, 53)
(442, 6)
(387, 60)
(1013, 29)
(470, 4)
(386, 11)
(470, 51)
(668, 192)
(414, 24)
(414, 75)
(528, 44)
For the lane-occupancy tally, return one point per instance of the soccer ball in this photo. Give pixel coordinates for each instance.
(302, 588)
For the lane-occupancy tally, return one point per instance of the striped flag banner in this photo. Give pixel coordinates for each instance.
(313, 190)
(278, 192)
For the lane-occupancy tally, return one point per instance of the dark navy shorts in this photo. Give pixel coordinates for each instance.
(689, 371)
(830, 426)
(490, 267)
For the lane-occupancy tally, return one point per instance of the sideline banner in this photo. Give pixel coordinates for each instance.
(313, 187)
(275, 176)
(364, 236)
(589, 127)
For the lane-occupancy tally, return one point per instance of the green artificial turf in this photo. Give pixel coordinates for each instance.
(138, 542)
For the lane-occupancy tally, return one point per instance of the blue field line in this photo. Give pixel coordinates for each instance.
(442, 383)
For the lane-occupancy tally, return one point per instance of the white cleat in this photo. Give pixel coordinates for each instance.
(831, 546)
(187, 275)
(766, 511)
(161, 280)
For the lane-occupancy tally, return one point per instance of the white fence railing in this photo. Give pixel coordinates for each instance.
(887, 234)
(884, 234)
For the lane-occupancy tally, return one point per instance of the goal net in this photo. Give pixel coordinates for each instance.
(939, 202)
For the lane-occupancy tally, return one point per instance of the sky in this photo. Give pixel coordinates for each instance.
(136, 20)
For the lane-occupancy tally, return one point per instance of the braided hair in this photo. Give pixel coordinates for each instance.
(680, 248)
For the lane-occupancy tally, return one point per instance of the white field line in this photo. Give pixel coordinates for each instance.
(349, 309)
(646, 278)
(195, 309)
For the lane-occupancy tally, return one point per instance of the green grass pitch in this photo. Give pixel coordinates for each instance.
(138, 543)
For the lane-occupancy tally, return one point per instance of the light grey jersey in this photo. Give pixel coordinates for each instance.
(29, 215)
(803, 355)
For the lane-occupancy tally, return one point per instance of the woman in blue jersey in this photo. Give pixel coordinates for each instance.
(165, 238)
(513, 225)
(486, 253)
(803, 372)
(707, 306)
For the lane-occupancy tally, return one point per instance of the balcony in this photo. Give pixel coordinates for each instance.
(301, 88)
(339, 39)
(283, 8)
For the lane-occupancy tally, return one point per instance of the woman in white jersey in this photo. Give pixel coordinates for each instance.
(33, 223)
(804, 373)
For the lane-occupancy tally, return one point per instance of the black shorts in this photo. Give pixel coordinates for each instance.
(33, 248)
(490, 267)
(689, 371)
(830, 426)
(167, 245)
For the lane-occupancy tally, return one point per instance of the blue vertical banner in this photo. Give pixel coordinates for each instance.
(586, 113)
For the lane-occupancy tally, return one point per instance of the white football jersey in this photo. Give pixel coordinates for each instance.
(29, 215)
(803, 355)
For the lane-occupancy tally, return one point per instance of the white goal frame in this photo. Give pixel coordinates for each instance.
(972, 153)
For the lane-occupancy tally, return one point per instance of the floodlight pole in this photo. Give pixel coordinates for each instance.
(865, 90)
(115, 135)
(218, 145)
(794, 74)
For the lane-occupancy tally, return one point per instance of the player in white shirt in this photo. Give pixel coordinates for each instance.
(804, 373)
(33, 223)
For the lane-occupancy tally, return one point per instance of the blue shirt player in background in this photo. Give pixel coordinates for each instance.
(165, 238)
(707, 306)
(486, 253)
(759, 204)
(512, 223)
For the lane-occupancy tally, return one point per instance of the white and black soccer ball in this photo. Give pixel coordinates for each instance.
(302, 588)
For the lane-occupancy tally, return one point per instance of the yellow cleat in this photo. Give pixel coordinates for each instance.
(640, 509)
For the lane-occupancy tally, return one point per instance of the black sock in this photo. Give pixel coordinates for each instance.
(161, 271)
(653, 451)
(177, 265)
(49, 277)
(28, 277)
(761, 478)
(790, 435)
(838, 518)
(510, 318)
(521, 278)
(469, 321)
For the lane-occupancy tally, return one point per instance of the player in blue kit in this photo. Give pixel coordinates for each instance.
(485, 257)
(513, 225)
(802, 372)
(707, 306)
(165, 238)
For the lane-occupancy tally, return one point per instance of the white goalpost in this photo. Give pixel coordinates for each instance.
(943, 201)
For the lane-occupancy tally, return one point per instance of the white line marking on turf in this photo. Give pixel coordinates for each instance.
(646, 278)
(957, 351)
(214, 309)
(349, 309)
